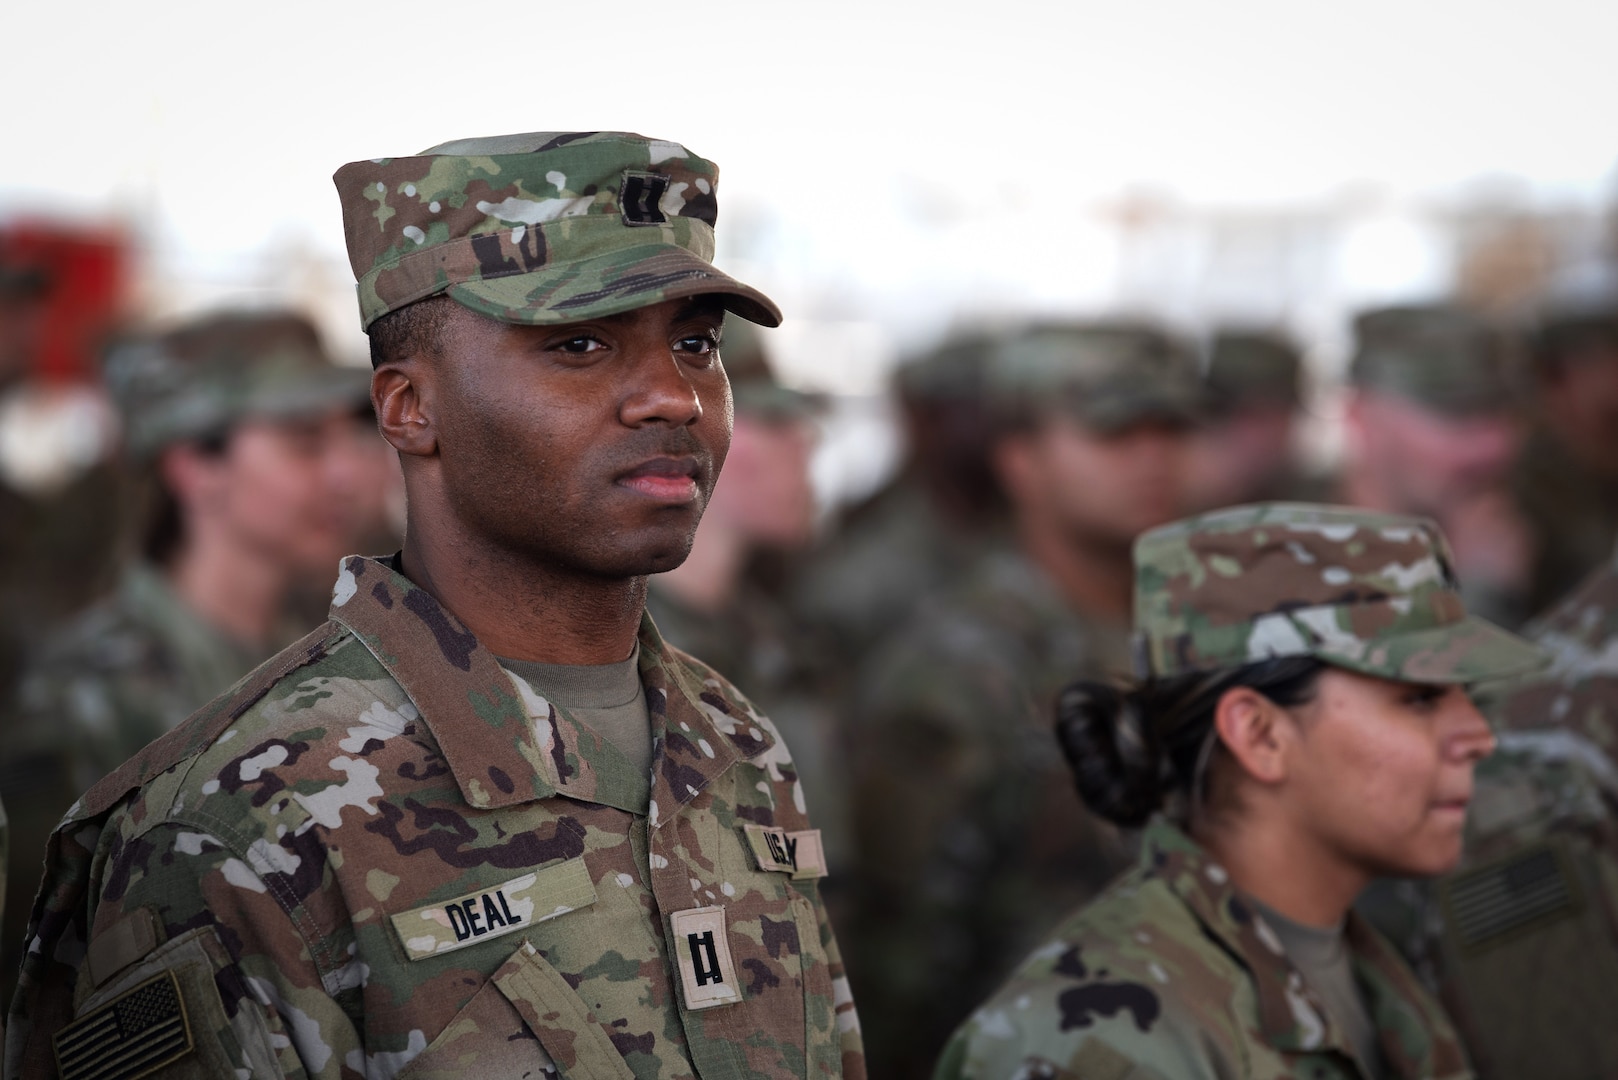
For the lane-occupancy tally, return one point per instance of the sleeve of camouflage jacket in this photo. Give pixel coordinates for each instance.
(219, 928)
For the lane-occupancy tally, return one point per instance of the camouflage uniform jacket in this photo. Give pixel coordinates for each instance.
(1170, 974)
(976, 846)
(789, 673)
(381, 855)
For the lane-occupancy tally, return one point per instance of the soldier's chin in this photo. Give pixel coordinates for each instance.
(663, 559)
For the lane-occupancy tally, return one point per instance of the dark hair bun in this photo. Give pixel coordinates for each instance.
(1116, 762)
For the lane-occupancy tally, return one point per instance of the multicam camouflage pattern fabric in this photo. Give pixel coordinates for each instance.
(1443, 358)
(1579, 691)
(120, 675)
(1519, 941)
(1108, 374)
(793, 677)
(1370, 592)
(1171, 975)
(201, 378)
(975, 845)
(385, 767)
(547, 227)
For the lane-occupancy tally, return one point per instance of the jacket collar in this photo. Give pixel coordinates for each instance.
(504, 750)
(1416, 1039)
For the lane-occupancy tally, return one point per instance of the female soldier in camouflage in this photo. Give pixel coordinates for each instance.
(1299, 727)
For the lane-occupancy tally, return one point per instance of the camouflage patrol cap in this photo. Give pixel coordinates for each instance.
(950, 371)
(1107, 374)
(1445, 358)
(204, 376)
(1250, 366)
(1374, 593)
(541, 228)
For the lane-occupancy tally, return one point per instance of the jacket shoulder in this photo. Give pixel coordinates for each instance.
(1131, 979)
(326, 652)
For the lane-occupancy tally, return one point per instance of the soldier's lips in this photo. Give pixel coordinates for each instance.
(671, 480)
(1455, 806)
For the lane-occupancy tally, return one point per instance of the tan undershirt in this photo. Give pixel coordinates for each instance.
(606, 698)
(1322, 957)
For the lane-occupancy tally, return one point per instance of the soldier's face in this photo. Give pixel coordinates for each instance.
(1095, 487)
(592, 446)
(284, 491)
(1382, 772)
(765, 493)
(1429, 460)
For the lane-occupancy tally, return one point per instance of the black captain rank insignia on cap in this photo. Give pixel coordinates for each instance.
(136, 1033)
(641, 198)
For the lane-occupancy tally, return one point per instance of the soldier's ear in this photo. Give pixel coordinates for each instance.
(1256, 732)
(401, 392)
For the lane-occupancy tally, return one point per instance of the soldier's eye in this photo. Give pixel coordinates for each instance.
(1424, 697)
(699, 344)
(583, 343)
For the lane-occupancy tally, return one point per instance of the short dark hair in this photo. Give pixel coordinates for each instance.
(411, 330)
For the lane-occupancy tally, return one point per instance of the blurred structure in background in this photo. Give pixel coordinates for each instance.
(63, 291)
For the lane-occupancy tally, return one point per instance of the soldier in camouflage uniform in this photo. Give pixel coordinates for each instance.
(1521, 942)
(1567, 479)
(243, 427)
(921, 531)
(1434, 425)
(1300, 725)
(1245, 450)
(976, 846)
(429, 840)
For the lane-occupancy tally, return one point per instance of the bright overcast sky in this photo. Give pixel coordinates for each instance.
(855, 123)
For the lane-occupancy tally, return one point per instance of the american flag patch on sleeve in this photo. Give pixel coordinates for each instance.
(133, 1035)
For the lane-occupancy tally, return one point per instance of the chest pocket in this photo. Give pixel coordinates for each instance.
(525, 1023)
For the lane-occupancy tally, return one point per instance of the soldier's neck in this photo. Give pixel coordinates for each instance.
(1096, 580)
(526, 612)
(230, 590)
(1286, 870)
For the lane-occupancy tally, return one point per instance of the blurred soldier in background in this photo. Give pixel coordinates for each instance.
(710, 607)
(1567, 480)
(973, 846)
(1522, 940)
(246, 437)
(919, 533)
(1245, 449)
(1433, 429)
